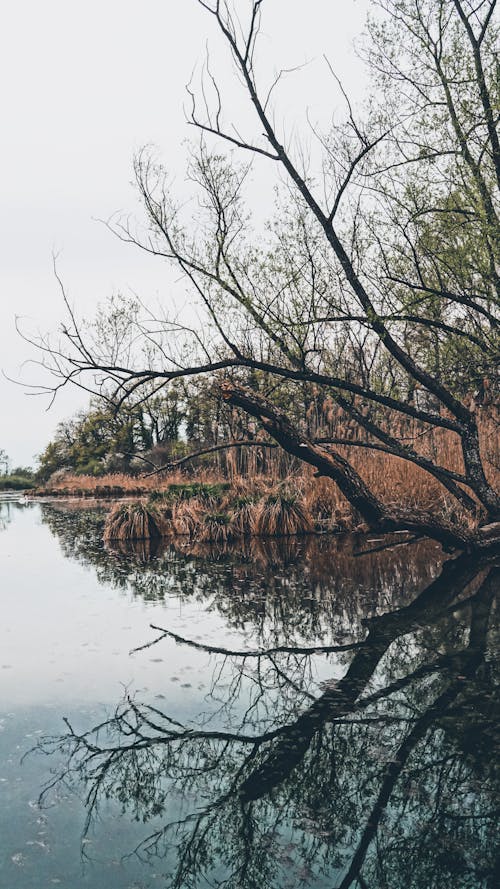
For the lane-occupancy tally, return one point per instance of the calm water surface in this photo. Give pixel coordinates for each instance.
(288, 714)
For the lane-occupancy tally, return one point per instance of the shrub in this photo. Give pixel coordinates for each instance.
(15, 483)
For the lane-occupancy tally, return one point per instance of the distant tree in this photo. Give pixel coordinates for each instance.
(4, 461)
(102, 439)
(24, 471)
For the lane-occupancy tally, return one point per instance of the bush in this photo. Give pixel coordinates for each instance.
(16, 483)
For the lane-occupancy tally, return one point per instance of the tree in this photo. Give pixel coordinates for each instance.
(4, 461)
(379, 267)
(101, 439)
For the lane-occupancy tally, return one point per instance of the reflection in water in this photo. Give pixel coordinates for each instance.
(384, 778)
(9, 505)
(305, 588)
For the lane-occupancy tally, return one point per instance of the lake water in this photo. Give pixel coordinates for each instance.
(316, 713)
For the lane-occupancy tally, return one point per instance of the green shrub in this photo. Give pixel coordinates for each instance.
(190, 490)
(16, 483)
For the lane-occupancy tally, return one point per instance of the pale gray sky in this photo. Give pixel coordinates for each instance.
(84, 85)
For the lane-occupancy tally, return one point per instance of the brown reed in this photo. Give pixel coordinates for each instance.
(282, 514)
(133, 521)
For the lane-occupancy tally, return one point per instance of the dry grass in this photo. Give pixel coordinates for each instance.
(395, 481)
(401, 483)
(187, 517)
(133, 521)
(243, 515)
(216, 527)
(65, 484)
(282, 514)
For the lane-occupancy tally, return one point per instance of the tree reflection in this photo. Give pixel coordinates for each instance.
(303, 588)
(383, 779)
(9, 505)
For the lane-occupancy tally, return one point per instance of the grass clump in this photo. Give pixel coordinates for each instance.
(133, 521)
(187, 516)
(281, 514)
(216, 527)
(243, 517)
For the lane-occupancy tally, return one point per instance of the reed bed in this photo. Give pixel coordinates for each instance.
(114, 485)
(252, 502)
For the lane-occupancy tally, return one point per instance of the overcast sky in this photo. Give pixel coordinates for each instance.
(84, 86)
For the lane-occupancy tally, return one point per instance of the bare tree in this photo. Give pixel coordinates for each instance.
(378, 279)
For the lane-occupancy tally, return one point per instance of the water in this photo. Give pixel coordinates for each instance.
(307, 713)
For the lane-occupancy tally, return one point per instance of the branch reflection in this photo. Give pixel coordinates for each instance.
(310, 588)
(384, 778)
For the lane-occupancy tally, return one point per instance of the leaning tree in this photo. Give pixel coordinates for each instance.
(376, 278)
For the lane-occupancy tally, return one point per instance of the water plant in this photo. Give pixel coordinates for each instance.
(216, 527)
(187, 516)
(133, 521)
(243, 515)
(282, 513)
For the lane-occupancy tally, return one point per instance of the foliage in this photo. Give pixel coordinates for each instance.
(4, 461)
(103, 439)
(16, 482)
(16, 478)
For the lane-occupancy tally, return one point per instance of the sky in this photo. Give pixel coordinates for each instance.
(84, 87)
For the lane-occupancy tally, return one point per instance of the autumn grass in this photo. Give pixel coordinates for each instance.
(216, 527)
(259, 504)
(282, 514)
(399, 483)
(186, 517)
(115, 485)
(243, 515)
(133, 521)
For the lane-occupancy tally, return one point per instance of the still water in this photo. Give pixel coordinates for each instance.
(316, 713)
